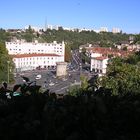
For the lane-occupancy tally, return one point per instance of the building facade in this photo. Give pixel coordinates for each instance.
(99, 57)
(29, 56)
(19, 47)
(116, 30)
(99, 64)
(61, 69)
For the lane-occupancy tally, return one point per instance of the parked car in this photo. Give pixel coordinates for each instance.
(51, 84)
(38, 76)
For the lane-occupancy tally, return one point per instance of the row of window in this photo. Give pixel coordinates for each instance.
(37, 58)
(56, 48)
(37, 50)
(34, 50)
(34, 44)
(97, 66)
(32, 63)
(97, 70)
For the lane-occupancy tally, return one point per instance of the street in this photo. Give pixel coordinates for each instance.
(48, 79)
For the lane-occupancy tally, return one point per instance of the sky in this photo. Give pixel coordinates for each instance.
(93, 14)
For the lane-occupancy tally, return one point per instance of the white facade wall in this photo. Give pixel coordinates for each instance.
(103, 29)
(30, 63)
(116, 30)
(25, 55)
(29, 48)
(99, 65)
(95, 54)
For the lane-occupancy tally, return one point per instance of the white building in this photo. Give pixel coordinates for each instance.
(28, 56)
(95, 54)
(99, 64)
(32, 61)
(35, 28)
(29, 48)
(103, 29)
(116, 30)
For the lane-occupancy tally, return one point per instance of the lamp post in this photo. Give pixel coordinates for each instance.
(8, 71)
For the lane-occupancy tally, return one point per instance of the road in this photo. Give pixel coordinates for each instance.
(49, 80)
(52, 83)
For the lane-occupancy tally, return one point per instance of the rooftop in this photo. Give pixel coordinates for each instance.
(100, 58)
(34, 55)
(108, 51)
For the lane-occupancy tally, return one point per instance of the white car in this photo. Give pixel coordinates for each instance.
(38, 76)
(51, 84)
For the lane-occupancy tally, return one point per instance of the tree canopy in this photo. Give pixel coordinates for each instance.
(123, 75)
(6, 64)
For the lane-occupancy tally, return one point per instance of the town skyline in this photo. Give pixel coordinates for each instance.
(74, 14)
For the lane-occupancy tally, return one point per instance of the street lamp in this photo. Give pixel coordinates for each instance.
(8, 71)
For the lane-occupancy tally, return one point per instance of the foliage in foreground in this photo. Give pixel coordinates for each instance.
(90, 115)
(123, 75)
(6, 64)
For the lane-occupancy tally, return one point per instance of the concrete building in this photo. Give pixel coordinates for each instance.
(103, 29)
(25, 62)
(61, 69)
(28, 56)
(19, 47)
(34, 28)
(99, 64)
(100, 56)
(116, 30)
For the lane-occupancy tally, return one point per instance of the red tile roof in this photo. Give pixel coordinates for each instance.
(108, 51)
(100, 58)
(34, 55)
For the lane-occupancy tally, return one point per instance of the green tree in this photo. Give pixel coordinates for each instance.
(84, 82)
(84, 56)
(6, 65)
(122, 78)
(4, 36)
(67, 53)
(29, 35)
